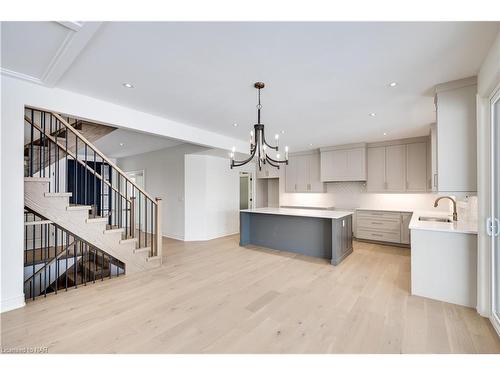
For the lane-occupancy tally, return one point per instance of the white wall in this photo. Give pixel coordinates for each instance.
(212, 197)
(488, 80)
(15, 95)
(164, 178)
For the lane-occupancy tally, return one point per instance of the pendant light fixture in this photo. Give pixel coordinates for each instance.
(258, 144)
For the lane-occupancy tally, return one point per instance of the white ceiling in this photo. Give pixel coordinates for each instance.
(133, 143)
(323, 79)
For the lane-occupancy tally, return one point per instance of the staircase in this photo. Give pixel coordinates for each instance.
(71, 186)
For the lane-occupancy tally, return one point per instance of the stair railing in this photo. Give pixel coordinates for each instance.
(56, 150)
(56, 260)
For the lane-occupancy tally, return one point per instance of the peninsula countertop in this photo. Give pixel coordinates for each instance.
(325, 214)
(460, 226)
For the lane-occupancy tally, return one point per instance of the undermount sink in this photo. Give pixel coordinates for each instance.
(438, 219)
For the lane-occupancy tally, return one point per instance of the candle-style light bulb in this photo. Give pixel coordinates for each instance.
(286, 152)
(276, 137)
(278, 156)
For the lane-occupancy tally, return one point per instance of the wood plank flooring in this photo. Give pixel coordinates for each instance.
(217, 297)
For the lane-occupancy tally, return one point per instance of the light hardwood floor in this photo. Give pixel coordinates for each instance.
(216, 297)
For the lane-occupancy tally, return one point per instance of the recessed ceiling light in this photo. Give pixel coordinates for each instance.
(122, 144)
(128, 85)
(385, 133)
(235, 124)
(373, 114)
(393, 84)
(310, 144)
(282, 132)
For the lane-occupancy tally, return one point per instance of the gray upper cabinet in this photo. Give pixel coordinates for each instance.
(343, 163)
(302, 174)
(376, 169)
(395, 165)
(456, 136)
(398, 166)
(416, 167)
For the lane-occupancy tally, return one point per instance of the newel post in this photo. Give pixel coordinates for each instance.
(158, 229)
(132, 217)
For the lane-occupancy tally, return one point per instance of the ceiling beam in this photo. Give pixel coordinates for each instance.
(78, 37)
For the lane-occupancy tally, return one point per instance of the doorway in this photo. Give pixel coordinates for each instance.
(246, 201)
(494, 225)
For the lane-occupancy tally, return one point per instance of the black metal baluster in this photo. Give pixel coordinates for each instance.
(42, 143)
(85, 171)
(56, 277)
(140, 228)
(31, 143)
(146, 220)
(75, 272)
(45, 260)
(102, 265)
(127, 229)
(33, 258)
(95, 187)
(66, 256)
(76, 170)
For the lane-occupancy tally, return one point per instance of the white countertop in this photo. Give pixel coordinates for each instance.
(460, 226)
(325, 214)
(384, 209)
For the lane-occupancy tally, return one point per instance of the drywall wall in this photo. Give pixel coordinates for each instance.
(164, 178)
(211, 197)
(488, 81)
(15, 95)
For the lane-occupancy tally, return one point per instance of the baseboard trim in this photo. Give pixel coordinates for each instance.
(174, 237)
(12, 303)
(212, 237)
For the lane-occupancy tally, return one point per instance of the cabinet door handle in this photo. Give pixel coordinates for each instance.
(308, 186)
(385, 185)
(295, 187)
(435, 180)
(407, 184)
(377, 222)
(376, 235)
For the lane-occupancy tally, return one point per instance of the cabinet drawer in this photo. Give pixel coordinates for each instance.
(379, 224)
(378, 215)
(379, 236)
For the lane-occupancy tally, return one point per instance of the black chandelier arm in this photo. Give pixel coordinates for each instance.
(271, 160)
(236, 163)
(275, 148)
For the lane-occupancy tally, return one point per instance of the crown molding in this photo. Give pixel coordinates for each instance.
(79, 35)
(24, 77)
(69, 50)
(72, 25)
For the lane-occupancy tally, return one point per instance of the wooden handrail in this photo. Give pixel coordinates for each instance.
(62, 147)
(89, 144)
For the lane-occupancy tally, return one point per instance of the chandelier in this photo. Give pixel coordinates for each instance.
(258, 144)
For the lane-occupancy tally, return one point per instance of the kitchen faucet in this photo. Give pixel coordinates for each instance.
(455, 218)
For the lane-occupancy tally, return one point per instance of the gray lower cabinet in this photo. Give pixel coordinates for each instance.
(383, 226)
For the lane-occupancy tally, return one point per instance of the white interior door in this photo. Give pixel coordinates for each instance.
(495, 208)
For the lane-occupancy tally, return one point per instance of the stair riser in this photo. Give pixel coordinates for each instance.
(54, 209)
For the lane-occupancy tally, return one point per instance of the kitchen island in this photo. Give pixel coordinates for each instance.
(318, 233)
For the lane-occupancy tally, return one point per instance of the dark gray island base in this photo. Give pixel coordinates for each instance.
(322, 234)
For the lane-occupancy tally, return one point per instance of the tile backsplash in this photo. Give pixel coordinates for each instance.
(350, 195)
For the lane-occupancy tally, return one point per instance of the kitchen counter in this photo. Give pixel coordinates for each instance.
(384, 209)
(460, 226)
(317, 233)
(326, 214)
(444, 259)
